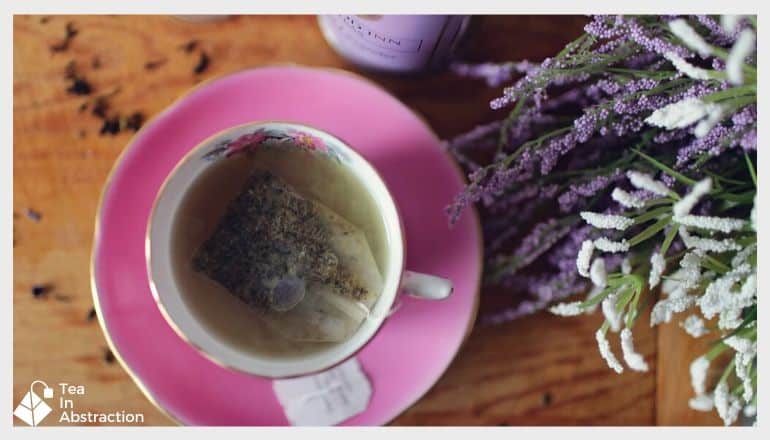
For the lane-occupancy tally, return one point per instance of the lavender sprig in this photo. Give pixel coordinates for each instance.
(645, 128)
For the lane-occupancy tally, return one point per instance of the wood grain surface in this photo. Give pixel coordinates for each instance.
(541, 370)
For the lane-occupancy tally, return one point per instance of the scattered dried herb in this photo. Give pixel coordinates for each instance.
(91, 315)
(33, 215)
(134, 121)
(190, 46)
(109, 357)
(110, 125)
(44, 20)
(101, 105)
(41, 290)
(82, 134)
(96, 62)
(547, 399)
(70, 71)
(152, 65)
(203, 63)
(115, 124)
(68, 36)
(79, 85)
(62, 298)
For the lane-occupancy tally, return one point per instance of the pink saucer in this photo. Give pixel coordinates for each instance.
(414, 346)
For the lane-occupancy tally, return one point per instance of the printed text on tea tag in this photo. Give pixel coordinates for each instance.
(326, 398)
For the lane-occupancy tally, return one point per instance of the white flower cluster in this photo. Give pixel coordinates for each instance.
(606, 221)
(567, 309)
(647, 183)
(684, 113)
(720, 297)
(713, 118)
(664, 310)
(634, 360)
(745, 353)
(702, 282)
(598, 273)
(688, 202)
(610, 312)
(606, 245)
(657, 266)
(743, 47)
(686, 68)
(584, 257)
(728, 406)
(721, 224)
(694, 326)
(606, 352)
(707, 244)
(702, 402)
(690, 37)
(699, 369)
(626, 199)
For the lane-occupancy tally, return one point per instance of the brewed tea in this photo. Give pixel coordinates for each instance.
(279, 252)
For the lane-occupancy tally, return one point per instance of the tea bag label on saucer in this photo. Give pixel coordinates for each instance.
(326, 398)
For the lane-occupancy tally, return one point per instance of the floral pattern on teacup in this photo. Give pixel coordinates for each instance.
(262, 137)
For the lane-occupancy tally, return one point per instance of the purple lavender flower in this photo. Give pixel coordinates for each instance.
(629, 125)
(594, 117)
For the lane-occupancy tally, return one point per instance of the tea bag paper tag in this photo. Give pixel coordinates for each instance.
(326, 398)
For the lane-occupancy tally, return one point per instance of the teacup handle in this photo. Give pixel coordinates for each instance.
(425, 286)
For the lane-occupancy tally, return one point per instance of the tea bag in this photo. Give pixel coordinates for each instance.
(309, 270)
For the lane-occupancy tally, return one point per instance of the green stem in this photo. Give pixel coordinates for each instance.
(750, 166)
(715, 265)
(633, 310)
(732, 92)
(666, 169)
(726, 373)
(715, 351)
(511, 157)
(670, 235)
(503, 141)
(597, 298)
(650, 215)
(650, 231)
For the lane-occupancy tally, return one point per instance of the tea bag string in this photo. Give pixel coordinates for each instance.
(393, 309)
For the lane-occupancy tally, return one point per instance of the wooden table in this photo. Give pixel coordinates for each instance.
(538, 370)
